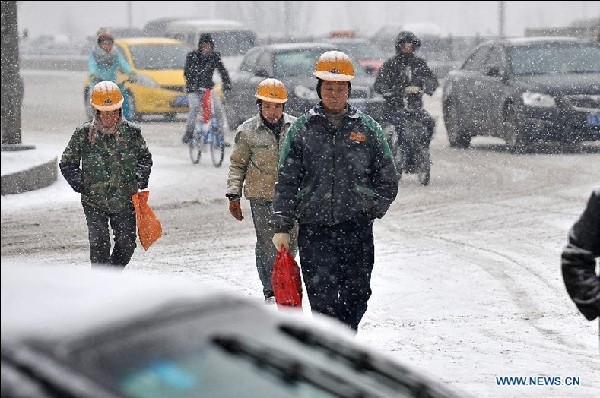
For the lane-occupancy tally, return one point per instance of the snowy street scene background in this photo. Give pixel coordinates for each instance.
(467, 284)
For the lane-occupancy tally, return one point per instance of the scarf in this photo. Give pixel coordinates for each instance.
(98, 128)
(105, 59)
(274, 127)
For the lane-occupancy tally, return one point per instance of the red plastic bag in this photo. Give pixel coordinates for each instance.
(286, 281)
(207, 106)
(148, 225)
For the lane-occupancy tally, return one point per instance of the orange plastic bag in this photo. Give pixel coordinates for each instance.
(148, 225)
(286, 280)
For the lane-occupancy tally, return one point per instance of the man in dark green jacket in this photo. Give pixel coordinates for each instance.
(336, 175)
(107, 161)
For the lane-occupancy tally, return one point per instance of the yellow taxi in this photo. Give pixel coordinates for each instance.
(159, 84)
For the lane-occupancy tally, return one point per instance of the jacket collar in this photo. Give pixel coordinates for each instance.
(317, 110)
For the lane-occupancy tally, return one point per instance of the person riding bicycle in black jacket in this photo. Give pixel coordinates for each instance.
(198, 71)
(406, 76)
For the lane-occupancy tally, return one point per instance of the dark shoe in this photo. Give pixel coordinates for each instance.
(187, 136)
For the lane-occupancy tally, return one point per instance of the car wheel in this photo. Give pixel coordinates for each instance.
(515, 141)
(170, 117)
(457, 137)
(89, 109)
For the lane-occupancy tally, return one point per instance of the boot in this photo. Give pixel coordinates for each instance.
(187, 136)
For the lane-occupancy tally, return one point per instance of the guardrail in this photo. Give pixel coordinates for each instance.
(54, 62)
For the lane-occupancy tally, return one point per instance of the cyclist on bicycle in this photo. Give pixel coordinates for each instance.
(253, 168)
(199, 69)
(103, 64)
(405, 77)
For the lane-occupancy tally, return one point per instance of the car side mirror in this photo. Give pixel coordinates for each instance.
(262, 73)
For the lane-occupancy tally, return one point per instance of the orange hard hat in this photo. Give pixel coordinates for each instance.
(106, 96)
(271, 90)
(334, 66)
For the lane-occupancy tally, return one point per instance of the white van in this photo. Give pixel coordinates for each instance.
(231, 37)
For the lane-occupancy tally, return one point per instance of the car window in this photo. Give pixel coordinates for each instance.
(495, 58)
(555, 58)
(249, 62)
(358, 50)
(235, 42)
(183, 355)
(295, 63)
(475, 61)
(264, 63)
(159, 56)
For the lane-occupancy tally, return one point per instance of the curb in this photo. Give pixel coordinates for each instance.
(31, 179)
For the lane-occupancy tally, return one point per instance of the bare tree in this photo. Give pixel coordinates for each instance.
(11, 82)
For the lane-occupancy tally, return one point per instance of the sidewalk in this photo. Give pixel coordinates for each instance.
(28, 167)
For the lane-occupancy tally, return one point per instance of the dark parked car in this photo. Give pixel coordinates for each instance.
(74, 332)
(293, 64)
(524, 90)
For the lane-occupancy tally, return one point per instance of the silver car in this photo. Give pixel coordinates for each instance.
(76, 332)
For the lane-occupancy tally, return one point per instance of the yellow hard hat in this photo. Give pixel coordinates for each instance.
(271, 90)
(106, 96)
(334, 66)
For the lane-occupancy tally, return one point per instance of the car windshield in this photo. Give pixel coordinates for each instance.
(159, 56)
(299, 63)
(184, 356)
(359, 50)
(555, 59)
(235, 42)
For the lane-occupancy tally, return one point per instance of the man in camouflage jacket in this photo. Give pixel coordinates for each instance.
(107, 161)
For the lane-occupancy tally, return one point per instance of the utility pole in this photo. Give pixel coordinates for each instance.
(501, 19)
(287, 18)
(129, 14)
(11, 81)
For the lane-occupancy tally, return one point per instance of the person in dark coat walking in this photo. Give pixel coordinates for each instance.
(579, 257)
(336, 176)
(107, 161)
(198, 71)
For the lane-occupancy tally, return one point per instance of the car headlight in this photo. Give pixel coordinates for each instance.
(538, 99)
(144, 80)
(305, 93)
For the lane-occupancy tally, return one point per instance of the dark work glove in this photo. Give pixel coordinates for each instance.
(235, 208)
(73, 175)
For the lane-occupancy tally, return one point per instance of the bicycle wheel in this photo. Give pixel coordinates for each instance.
(217, 148)
(424, 168)
(195, 147)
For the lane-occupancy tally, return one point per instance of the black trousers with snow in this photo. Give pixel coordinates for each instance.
(336, 263)
(123, 224)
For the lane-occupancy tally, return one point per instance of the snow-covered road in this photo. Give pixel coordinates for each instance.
(467, 282)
